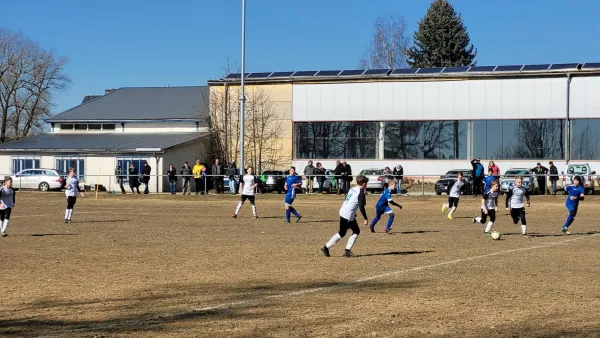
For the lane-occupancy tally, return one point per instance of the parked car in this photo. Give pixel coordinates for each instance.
(375, 177)
(583, 170)
(41, 179)
(274, 180)
(508, 179)
(329, 185)
(441, 186)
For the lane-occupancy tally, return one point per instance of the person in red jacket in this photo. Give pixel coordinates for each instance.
(495, 170)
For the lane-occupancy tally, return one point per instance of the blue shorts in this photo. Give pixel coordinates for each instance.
(384, 210)
(289, 200)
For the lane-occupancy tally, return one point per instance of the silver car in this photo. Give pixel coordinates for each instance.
(376, 179)
(508, 179)
(40, 179)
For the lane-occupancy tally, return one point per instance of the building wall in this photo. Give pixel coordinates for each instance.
(191, 152)
(585, 98)
(145, 127)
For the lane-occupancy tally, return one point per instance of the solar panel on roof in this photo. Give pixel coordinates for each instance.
(482, 68)
(405, 71)
(258, 75)
(564, 66)
(351, 72)
(281, 74)
(536, 67)
(591, 65)
(305, 73)
(434, 70)
(376, 72)
(513, 68)
(328, 73)
(233, 76)
(455, 69)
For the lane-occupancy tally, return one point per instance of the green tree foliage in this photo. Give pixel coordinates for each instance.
(441, 40)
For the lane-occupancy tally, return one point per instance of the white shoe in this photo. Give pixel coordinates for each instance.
(4, 234)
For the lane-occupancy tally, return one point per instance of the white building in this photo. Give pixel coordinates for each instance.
(127, 125)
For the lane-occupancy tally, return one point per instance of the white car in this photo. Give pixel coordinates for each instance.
(579, 169)
(40, 179)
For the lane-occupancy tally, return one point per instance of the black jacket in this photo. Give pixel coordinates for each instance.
(147, 170)
(320, 172)
(133, 177)
(172, 173)
(186, 172)
(553, 173)
(399, 173)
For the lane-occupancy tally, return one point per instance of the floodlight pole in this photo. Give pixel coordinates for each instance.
(242, 93)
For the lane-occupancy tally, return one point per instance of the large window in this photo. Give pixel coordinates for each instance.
(329, 140)
(24, 162)
(585, 139)
(65, 162)
(425, 139)
(519, 139)
(125, 161)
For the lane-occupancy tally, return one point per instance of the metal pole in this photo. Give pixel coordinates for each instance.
(423, 185)
(242, 94)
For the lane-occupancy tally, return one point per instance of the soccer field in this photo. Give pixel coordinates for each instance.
(181, 266)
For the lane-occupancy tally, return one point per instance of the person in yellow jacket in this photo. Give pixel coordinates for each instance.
(199, 177)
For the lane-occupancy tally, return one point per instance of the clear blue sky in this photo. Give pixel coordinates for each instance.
(120, 43)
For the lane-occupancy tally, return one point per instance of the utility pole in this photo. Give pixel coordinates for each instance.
(242, 94)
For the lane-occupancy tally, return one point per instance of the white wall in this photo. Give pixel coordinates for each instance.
(190, 152)
(585, 97)
(148, 127)
(433, 100)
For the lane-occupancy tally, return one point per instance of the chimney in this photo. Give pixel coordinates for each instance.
(107, 91)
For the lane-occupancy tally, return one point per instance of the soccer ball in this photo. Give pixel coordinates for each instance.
(495, 235)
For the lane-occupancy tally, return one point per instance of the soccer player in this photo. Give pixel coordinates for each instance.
(291, 182)
(514, 203)
(7, 202)
(487, 181)
(247, 186)
(355, 199)
(489, 207)
(454, 190)
(576, 194)
(71, 190)
(383, 207)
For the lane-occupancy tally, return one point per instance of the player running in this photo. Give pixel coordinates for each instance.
(489, 207)
(247, 187)
(291, 183)
(576, 194)
(7, 203)
(487, 181)
(383, 207)
(355, 199)
(454, 190)
(71, 190)
(514, 203)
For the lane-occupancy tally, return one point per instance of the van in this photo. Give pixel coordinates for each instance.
(579, 169)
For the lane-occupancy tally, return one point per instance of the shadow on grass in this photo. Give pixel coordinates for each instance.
(42, 235)
(395, 253)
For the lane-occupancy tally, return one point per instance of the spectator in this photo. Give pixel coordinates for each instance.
(186, 173)
(477, 176)
(540, 172)
(198, 178)
(146, 172)
(399, 174)
(309, 172)
(133, 179)
(387, 176)
(348, 177)
(172, 175)
(219, 173)
(495, 170)
(119, 176)
(553, 177)
(320, 172)
(339, 175)
(231, 173)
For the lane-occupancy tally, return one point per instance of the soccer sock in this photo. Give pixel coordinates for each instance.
(478, 219)
(489, 227)
(287, 214)
(66, 213)
(4, 225)
(390, 221)
(70, 214)
(446, 205)
(572, 220)
(351, 241)
(333, 240)
(294, 212)
(452, 211)
(239, 206)
(524, 229)
(253, 210)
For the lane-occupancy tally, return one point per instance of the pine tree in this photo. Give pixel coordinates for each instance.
(441, 40)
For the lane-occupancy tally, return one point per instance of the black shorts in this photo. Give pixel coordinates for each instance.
(452, 202)
(71, 200)
(249, 198)
(346, 224)
(5, 214)
(518, 213)
(491, 213)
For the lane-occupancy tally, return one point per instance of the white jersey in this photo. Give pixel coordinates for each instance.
(72, 188)
(515, 197)
(249, 182)
(7, 195)
(456, 188)
(351, 204)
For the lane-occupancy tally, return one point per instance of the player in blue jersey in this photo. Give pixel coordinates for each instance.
(291, 183)
(383, 207)
(576, 194)
(487, 181)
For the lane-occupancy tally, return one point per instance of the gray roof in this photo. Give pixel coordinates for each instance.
(89, 98)
(135, 104)
(101, 142)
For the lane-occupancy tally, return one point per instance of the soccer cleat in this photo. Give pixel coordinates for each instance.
(449, 216)
(372, 228)
(485, 233)
(287, 221)
(526, 235)
(4, 234)
(389, 231)
(565, 230)
(298, 218)
(234, 216)
(254, 217)
(348, 253)
(443, 207)
(66, 221)
(325, 251)
(474, 220)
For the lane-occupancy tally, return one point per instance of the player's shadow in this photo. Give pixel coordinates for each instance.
(42, 235)
(395, 253)
(324, 221)
(414, 232)
(562, 235)
(109, 221)
(463, 217)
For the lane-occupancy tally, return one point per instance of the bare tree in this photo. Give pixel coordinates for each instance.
(534, 139)
(29, 77)
(389, 45)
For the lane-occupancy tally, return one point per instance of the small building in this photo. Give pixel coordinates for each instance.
(125, 126)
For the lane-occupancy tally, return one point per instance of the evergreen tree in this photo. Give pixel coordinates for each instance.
(441, 40)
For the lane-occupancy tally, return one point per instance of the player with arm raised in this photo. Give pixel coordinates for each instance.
(514, 203)
(383, 207)
(291, 183)
(575, 194)
(355, 199)
(71, 190)
(489, 207)
(7, 203)
(248, 185)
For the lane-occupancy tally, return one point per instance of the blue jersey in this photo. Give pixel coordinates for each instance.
(384, 199)
(291, 192)
(488, 183)
(574, 191)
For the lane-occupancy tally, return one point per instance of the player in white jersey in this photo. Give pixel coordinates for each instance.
(247, 186)
(355, 199)
(7, 203)
(454, 190)
(71, 190)
(514, 203)
(489, 207)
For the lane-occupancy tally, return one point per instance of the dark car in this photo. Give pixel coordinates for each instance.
(441, 186)
(272, 180)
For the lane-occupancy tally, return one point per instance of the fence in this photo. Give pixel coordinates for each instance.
(410, 184)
